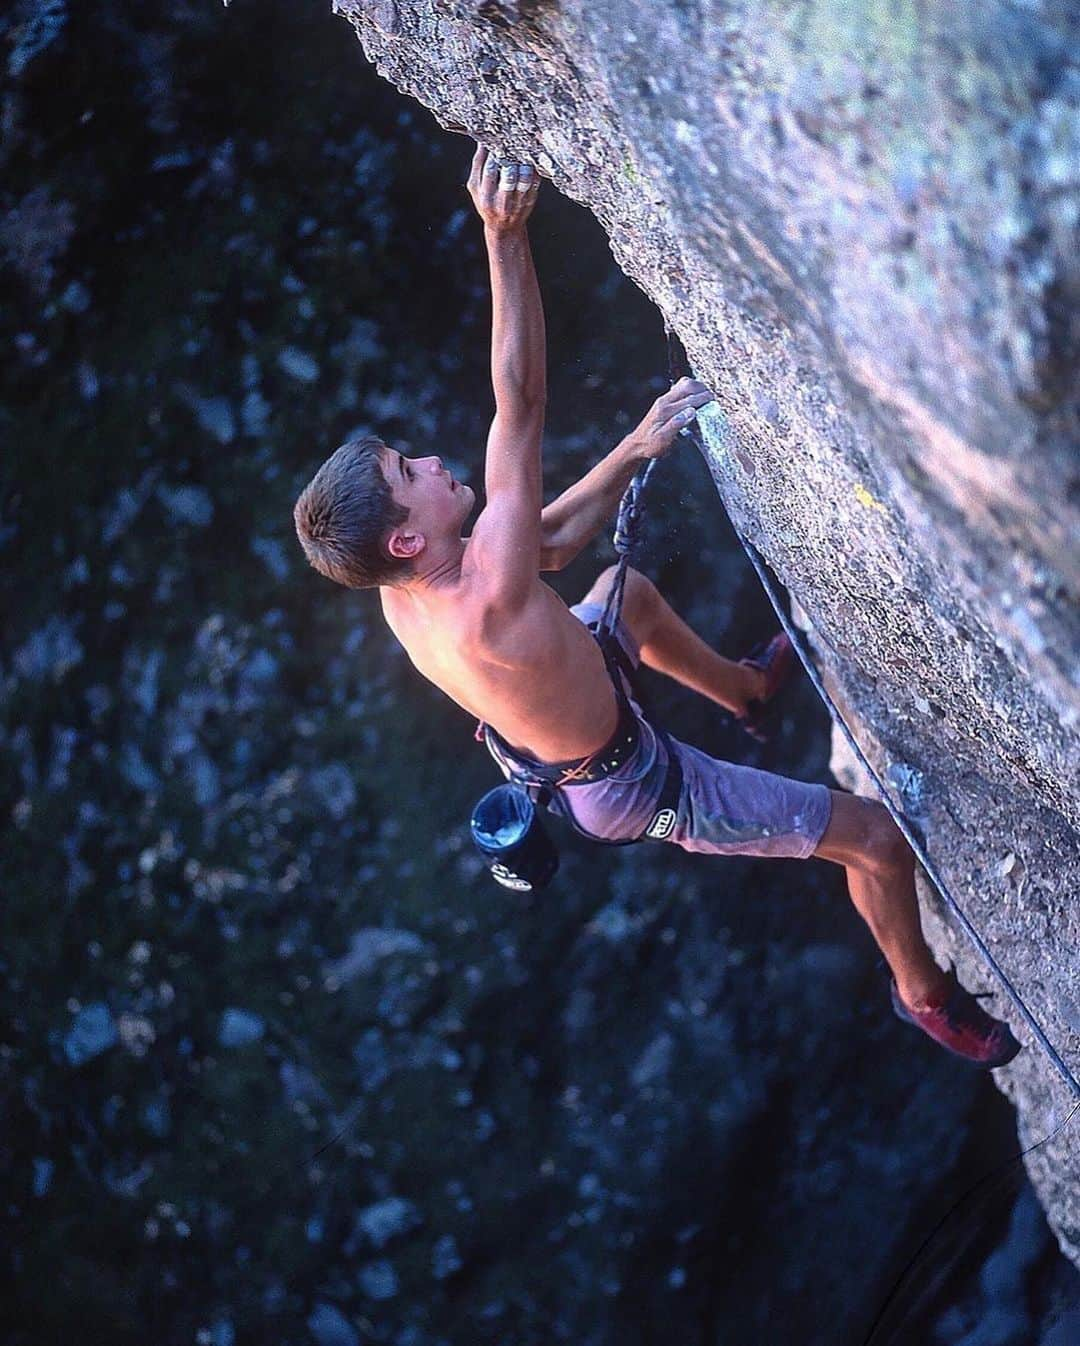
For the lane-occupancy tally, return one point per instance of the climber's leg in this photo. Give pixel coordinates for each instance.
(725, 808)
(668, 645)
(863, 838)
(880, 866)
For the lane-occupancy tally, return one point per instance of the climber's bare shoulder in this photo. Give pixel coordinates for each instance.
(521, 662)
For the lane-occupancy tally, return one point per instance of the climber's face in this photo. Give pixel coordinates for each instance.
(437, 504)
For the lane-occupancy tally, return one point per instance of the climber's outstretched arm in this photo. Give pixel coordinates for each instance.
(506, 537)
(573, 519)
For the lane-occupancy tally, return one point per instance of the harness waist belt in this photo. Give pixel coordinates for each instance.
(619, 748)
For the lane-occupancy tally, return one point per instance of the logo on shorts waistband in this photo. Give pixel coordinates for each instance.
(661, 825)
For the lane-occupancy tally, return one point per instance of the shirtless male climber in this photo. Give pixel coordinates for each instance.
(476, 619)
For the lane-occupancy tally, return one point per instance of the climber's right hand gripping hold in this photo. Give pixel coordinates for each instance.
(503, 194)
(671, 412)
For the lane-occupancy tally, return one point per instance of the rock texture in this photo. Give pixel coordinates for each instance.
(861, 221)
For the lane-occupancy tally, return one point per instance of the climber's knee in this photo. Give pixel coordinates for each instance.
(640, 603)
(601, 586)
(889, 852)
(639, 592)
(862, 835)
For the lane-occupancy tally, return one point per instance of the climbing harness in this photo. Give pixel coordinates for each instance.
(694, 432)
(505, 824)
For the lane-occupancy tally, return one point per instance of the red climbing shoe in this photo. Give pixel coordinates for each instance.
(961, 1026)
(778, 659)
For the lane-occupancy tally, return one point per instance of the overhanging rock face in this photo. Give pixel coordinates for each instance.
(862, 221)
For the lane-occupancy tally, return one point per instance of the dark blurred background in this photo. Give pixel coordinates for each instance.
(240, 911)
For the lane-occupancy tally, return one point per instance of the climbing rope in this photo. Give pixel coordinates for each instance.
(625, 539)
(675, 361)
(632, 511)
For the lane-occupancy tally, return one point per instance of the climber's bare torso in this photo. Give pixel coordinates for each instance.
(536, 675)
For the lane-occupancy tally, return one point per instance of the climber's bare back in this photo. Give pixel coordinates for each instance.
(535, 674)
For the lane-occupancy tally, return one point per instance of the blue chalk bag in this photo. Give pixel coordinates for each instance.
(508, 833)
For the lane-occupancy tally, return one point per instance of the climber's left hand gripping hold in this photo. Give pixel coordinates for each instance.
(503, 194)
(671, 412)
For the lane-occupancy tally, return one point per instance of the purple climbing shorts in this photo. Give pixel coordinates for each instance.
(724, 809)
